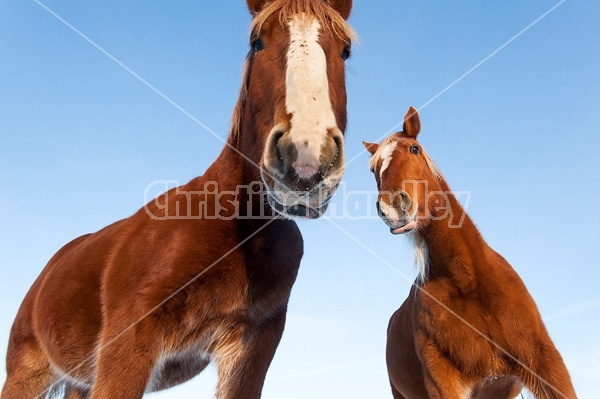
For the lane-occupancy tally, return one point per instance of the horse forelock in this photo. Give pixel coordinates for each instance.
(380, 150)
(320, 10)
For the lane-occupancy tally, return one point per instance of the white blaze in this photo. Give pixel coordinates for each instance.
(386, 157)
(307, 91)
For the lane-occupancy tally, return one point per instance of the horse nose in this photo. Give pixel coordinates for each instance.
(307, 160)
(306, 165)
(315, 160)
(386, 212)
(392, 204)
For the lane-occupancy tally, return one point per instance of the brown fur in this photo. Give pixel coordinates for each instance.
(469, 328)
(146, 302)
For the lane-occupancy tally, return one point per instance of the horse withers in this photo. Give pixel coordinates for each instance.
(469, 328)
(204, 272)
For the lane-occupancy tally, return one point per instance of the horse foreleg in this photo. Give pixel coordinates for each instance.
(28, 371)
(442, 379)
(244, 358)
(549, 378)
(126, 360)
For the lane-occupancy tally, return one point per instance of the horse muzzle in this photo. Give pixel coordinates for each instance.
(301, 176)
(398, 218)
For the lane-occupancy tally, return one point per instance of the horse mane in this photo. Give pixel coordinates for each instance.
(320, 10)
(236, 116)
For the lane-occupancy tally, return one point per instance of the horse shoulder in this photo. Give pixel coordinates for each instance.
(504, 291)
(27, 317)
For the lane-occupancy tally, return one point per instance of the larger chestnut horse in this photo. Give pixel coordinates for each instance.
(204, 272)
(469, 328)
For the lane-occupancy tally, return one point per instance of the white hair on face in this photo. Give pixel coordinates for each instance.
(307, 87)
(386, 156)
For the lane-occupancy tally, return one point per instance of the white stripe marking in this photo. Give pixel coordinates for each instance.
(307, 90)
(386, 156)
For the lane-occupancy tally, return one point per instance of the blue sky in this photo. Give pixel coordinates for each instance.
(81, 138)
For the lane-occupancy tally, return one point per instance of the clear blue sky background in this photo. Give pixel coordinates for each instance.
(81, 139)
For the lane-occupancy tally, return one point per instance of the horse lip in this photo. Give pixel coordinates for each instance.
(287, 196)
(403, 225)
(305, 199)
(406, 228)
(298, 210)
(300, 204)
(299, 201)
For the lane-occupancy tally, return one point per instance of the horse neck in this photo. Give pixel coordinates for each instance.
(243, 151)
(234, 167)
(237, 169)
(238, 162)
(455, 247)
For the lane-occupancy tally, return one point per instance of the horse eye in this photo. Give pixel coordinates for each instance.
(346, 53)
(257, 45)
(414, 149)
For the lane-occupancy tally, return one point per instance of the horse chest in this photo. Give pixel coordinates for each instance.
(265, 293)
(273, 260)
(457, 329)
(269, 287)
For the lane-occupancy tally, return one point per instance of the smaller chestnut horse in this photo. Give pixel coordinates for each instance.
(469, 328)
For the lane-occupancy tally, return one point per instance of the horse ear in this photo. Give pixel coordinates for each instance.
(256, 6)
(343, 7)
(412, 123)
(371, 147)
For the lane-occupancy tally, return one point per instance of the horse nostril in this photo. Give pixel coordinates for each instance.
(339, 142)
(277, 135)
(279, 151)
(402, 201)
(335, 151)
(379, 213)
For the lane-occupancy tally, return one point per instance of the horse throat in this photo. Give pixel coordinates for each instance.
(451, 246)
